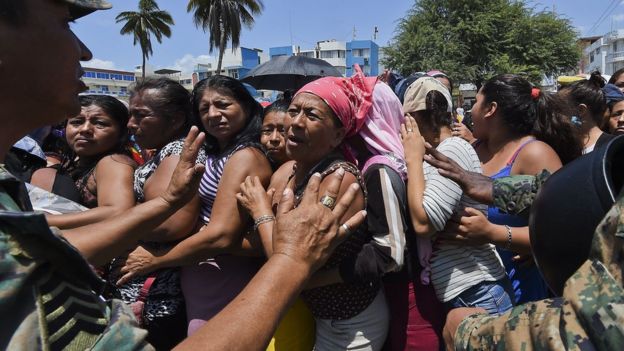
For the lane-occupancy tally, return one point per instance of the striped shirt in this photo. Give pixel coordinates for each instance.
(456, 267)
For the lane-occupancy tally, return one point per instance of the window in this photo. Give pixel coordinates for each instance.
(103, 88)
(615, 46)
(89, 74)
(128, 78)
(116, 76)
(591, 57)
(102, 75)
(597, 51)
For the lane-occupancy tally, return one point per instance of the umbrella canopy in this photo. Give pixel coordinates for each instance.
(289, 73)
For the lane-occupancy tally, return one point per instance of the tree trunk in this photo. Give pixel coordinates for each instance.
(143, 68)
(221, 50)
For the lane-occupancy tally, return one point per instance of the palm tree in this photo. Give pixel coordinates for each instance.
(223, 19)
(149, 20)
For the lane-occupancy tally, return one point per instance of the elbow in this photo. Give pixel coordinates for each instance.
(221, 242)
(422, 228)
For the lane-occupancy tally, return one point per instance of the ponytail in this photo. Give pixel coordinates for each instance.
(527, 110)
(555, 128)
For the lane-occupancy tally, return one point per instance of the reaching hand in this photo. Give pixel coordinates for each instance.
(472, 229)
(254, 198)
(139, 262)
(413, 142)
(187, 175)
(475, 185)
(460, 130)
(309, 233)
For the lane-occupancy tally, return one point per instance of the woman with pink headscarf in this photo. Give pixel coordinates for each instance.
(333, 120)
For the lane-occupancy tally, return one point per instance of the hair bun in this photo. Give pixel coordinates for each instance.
(596, 78)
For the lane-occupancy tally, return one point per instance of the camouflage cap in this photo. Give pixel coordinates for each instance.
(79, 8)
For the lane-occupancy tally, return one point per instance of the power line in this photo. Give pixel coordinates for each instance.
(602, 17)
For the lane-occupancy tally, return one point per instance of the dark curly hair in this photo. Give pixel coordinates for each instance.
(171, 99)
(250, 135)
(543, 117)
(280, 105)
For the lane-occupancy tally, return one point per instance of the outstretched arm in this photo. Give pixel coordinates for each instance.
(101, 242)
(303, 240)
(113, 176)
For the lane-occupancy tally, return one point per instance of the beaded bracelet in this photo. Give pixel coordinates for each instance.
(508, 246)
(263, 219)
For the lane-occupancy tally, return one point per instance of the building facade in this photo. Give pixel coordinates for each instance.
(342, 55)
(605, 53)
(108, 82)
(235, 63)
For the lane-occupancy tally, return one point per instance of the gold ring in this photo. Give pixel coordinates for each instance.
(328, 201)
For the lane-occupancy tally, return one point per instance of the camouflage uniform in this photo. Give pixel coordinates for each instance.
(589, 315)
(49, 295)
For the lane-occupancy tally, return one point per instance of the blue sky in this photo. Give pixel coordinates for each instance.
(300, 22)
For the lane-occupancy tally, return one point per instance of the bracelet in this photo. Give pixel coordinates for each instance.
(262, 219)
(508, 246)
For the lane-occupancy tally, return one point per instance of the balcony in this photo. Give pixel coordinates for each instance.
(615, 57)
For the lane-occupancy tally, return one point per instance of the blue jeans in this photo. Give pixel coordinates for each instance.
(494, 297)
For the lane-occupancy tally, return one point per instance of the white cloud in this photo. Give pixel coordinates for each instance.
(97, 63)
(619, 17)
(188, 62)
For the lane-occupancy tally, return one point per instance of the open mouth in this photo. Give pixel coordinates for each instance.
(294, 140)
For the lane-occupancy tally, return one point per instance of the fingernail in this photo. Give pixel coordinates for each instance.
(317, 174)
(287, 192)
(355, 186)
(340, 171)
(363, 212)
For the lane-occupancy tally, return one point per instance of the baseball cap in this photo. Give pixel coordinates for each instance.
(80, 8)
(416, 94)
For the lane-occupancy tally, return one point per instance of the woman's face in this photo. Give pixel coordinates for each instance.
(313, 132)
(92, 132)
(619, 82)
(151, 130)
(616, 119)
(273, 135)
(222, 115)
(478, 113)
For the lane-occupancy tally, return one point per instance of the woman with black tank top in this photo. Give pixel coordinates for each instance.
(97, 160)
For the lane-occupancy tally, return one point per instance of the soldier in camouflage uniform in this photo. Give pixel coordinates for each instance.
(49, 295)
(589, 315)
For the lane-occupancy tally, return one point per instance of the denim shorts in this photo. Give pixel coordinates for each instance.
(494, 297)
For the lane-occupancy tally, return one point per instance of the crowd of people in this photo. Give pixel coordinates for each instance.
(362, 213)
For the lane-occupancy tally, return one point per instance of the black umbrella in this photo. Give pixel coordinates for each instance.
(289, 73)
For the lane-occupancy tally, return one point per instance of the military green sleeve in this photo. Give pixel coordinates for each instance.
(531, 326)
(515, 194)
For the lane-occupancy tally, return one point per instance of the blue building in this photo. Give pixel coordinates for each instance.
(235, 64)
(339, 54)
(364, 53)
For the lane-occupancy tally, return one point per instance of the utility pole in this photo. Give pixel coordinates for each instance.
(354, 32)
(375, 33)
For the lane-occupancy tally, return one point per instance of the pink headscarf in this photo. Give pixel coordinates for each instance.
(381, 130)
(349, 98)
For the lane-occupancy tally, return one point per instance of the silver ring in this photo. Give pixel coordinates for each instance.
(328, 202)
(346, 228)
(409, 130)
